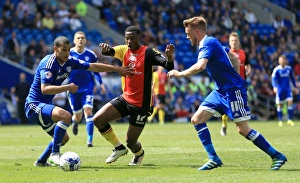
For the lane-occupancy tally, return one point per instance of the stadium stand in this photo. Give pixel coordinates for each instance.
(161, 23)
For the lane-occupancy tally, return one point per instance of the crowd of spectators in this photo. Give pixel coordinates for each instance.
(55, 16)
(159, 18)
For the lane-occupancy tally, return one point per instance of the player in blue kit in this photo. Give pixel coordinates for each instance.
(282, 76)
(228, 97)
(51, 72)
(85, 80)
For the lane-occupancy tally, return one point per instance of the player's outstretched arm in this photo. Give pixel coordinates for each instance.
(99, 67)
(48, 89)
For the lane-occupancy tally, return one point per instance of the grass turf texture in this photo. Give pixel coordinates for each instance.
(173, 153)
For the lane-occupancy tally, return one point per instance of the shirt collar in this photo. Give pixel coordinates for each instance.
(201, 42)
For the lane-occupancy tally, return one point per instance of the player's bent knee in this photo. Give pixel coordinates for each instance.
(66, 117)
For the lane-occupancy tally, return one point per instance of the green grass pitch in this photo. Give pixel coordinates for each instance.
(173, 153)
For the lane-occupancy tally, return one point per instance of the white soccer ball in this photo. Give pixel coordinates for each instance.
(70, 161)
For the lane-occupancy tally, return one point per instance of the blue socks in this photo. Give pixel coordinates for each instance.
(204, 136)
(59, 133)
(261, 143)
(46, 153)
(89, 128)
(290, 112)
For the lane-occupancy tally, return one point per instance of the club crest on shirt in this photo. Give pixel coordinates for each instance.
(132, 58)
(86, 58)
(48, 74)
(69, 68)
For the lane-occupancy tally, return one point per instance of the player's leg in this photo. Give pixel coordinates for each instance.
(279, 113)
(111, 111)
(241, 116)
(199, 120)
(75, 100)
(136, 126)
(223, 131)
(62, 118)
(279, 102)
(290, 112)
(278, 159)
(88, 113)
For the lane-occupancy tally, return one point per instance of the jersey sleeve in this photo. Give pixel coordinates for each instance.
(159, 59)
(120, 51)
(274, 80)
(98, 77)
(80, 64)
(206, 52)
(46, 76)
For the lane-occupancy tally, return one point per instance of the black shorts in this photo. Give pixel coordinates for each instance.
(161, 99)
(137, 116)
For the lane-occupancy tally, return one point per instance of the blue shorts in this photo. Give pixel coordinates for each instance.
(283, 97)
(41, 113)
(80, 100)
(233, 103)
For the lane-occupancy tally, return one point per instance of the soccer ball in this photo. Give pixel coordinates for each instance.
(70, 161)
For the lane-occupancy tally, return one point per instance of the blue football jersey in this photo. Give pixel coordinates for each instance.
(281, 78)
(84, 79)
(49, 71)
(219, 66)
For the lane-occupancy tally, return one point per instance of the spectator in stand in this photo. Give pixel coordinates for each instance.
(37, 22)
(75, 23)
(31, 59)
(22, 90)
(288, 23)
(6, 5)
(250, 17)
(180, 109)
(27, 21)
(81, 7)
(278, 22)
(48, 22)
(40, 7)
(63, 15)
(32, 8)
(31, 46)
(266, 8)
(13, 47)
(22, 7)
(2, 47)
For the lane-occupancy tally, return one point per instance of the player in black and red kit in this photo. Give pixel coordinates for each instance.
(136, 100)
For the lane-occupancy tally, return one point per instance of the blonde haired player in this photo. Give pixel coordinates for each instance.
(245, 68)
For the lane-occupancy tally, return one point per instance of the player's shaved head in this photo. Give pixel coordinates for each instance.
(133, 29)
(61, 40)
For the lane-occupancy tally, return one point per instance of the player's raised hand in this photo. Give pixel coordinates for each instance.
(73, 88)
(104, 47)
(174, 73)
(170, 50)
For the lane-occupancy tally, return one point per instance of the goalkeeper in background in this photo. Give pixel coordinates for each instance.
(245, 69)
